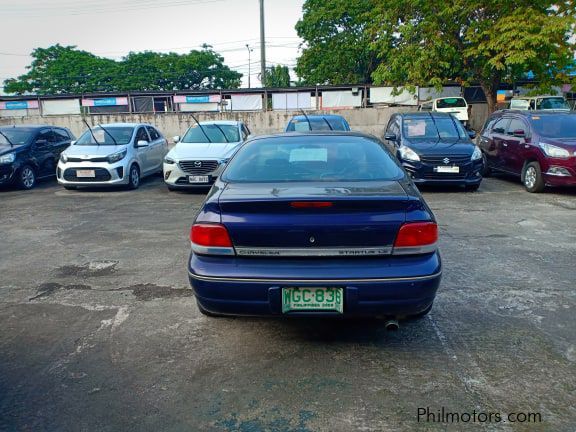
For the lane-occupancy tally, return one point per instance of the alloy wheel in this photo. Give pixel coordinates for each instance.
(530, 177)
(28, 177)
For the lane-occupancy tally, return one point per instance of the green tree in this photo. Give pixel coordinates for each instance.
(277, 76)
(422, 42)
(337, 47)
(60, 70)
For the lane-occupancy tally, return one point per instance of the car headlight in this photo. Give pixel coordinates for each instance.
(8, 158)
(115, 157)
(477, 153)
(169, 161)
(555, 152)
(63, 158)
(408, 154)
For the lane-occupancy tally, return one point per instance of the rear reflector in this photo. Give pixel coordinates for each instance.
(416, 238)
(311, 204)
(211, 239)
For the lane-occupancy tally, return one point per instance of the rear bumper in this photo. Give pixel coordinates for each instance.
(391, 286)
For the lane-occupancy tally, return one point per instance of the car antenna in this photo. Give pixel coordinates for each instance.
(200, 126)
(436, 126)
(108, 133)
(91, 133)
(7, 139)
(307, 119)
(220, 129)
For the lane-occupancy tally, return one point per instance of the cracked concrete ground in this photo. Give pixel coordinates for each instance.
(99, 331)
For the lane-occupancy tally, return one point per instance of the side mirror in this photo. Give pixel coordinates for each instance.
(389, 136)
(472, 133)
(519, 133)
(142, 143)
(176, 139)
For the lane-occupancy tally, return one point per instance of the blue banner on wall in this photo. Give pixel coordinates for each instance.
(16, 105)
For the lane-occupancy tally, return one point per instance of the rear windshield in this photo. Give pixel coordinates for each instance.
(312, 159)
(522, 104)
(433, 128)
(317, 124)
(212, 133)
(451, 103)
(555, 126)
(120, 135)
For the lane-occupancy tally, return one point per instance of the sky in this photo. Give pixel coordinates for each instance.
(113, 28)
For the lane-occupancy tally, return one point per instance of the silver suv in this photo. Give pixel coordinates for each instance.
(112, 154)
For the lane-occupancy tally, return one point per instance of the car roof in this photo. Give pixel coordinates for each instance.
(317, 116)
(221, 122)
(113, 125)
(532, 113)
(312, 134)
(428, 114)
(29, 127)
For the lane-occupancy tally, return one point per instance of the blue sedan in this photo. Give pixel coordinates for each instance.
(315, 224)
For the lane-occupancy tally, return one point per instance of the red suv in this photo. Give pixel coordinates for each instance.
(538, 146)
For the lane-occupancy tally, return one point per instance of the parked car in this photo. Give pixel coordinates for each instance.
(29, 153)
(112, 154)
(314, 224)
(199, 156)
(537, 146)
(456, 106)
(317, 122)
(557, 103)
(434, 148)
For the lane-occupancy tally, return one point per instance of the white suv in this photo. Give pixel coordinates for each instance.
(112, 154)
(197, 158)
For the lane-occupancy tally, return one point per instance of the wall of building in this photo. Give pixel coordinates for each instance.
(367, 120)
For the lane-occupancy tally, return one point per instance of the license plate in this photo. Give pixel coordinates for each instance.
(198, 179)
(448, 169)
(85, 173)
(312, 299)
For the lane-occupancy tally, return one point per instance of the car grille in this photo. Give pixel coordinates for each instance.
(198, 167)
(92, 159)
(101, 175)
(446, 160)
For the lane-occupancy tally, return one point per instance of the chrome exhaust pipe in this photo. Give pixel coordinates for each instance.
(391, 325)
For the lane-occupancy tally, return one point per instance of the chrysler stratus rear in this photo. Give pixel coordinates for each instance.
(315, 225)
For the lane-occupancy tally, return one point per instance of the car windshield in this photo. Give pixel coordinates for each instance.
(451, 103)
(122, 135)
(218, 133)
(433, 128)
(552, 103)
(555, 126)
(312, 159)
(318, 124)
(16, 136)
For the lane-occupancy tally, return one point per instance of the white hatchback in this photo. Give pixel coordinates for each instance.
(112, 154)
(197, 158)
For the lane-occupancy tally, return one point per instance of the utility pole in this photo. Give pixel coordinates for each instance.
(262, 45)
(249, 63)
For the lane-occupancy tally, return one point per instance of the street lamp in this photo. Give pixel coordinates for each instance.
(249, 51)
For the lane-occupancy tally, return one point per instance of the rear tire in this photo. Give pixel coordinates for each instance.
(486, 170)
(208, 313)
(472, 188)
(26, 178)
(134, 178)
(422, 314)
(532, 178)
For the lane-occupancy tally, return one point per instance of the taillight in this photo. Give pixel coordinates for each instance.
(416, 238)
(211, 239)
(311, 204)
